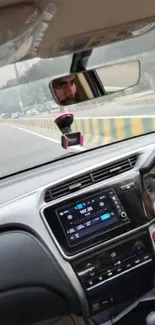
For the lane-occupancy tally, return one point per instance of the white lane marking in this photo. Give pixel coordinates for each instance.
(115, 117)
(43, 136)
(102, 117)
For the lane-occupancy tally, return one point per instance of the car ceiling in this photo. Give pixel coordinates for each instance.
(48, 29)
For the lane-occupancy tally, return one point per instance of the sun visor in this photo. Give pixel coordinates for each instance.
(22, 28)
(99, 38)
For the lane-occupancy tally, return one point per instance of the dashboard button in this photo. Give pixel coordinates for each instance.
(145, 257)
(111, 193)
(123, 188)
(109, 273)
(104, 303)
(119, 270)
(127, 186)
(117, 263)
(137, 261)
(100, 278)
(128, 265)
(89, 284)
(95, 306)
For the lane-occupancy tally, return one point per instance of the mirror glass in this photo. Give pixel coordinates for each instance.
(79, 87)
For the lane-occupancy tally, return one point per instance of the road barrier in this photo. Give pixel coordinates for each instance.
(100, 131)
(97, 131)
(148, 100)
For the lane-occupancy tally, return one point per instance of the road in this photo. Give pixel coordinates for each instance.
(20, 150)
(113, 109)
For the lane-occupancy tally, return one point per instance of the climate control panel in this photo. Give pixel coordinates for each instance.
(107, 264)
(118, 272)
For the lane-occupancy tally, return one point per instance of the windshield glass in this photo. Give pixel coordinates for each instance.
(30, 137)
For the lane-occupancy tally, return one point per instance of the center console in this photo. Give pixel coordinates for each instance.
(117, 273)
(103, 234)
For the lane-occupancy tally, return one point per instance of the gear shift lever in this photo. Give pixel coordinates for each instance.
(150, 319)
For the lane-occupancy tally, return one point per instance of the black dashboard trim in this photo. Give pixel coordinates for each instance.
(30, 304)
(36, 267)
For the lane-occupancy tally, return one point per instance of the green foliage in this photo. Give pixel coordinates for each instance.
(9, 101)
(45, 69)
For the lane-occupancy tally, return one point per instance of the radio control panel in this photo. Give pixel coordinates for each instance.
(96, 217)
(92, 215)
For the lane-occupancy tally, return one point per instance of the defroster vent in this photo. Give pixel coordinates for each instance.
(97, 175)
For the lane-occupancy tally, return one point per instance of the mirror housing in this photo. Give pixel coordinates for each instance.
(95, 83)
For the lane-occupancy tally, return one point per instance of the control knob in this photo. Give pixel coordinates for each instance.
(123, 215)
(150, 319)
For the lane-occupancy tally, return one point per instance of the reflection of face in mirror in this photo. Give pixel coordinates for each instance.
(65, 90)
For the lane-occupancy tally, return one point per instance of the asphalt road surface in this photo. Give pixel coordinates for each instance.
(20, 150)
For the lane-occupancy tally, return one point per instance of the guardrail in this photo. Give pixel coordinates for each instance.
(97, 131)
(147, 98)
(150, 100)
(135, 96)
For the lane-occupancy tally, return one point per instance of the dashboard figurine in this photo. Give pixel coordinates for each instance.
(68, 138)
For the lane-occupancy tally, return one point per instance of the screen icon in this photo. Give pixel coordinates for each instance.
(105, 216)
(79, 206)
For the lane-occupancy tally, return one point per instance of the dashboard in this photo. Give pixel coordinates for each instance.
(78, 235)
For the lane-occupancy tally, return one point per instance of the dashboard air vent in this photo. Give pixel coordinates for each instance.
(114, 169)
(68, 187)
(92, 177)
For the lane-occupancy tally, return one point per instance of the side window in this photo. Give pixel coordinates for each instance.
(110, 79)
(84, 90)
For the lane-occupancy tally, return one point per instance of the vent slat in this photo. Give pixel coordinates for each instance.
(83, 181)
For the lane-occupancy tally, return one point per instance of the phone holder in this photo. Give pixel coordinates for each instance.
(64, 122)
(68, 138)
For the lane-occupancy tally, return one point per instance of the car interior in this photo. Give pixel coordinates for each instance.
(53, 269)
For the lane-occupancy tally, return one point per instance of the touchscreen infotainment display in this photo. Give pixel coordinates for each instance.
(92, 215)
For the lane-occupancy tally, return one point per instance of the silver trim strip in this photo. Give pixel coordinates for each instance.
(86, 271)
(118, 275)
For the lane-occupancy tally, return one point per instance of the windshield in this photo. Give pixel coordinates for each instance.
(29, 136)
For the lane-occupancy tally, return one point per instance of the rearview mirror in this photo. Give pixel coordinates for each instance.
(79, 87)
